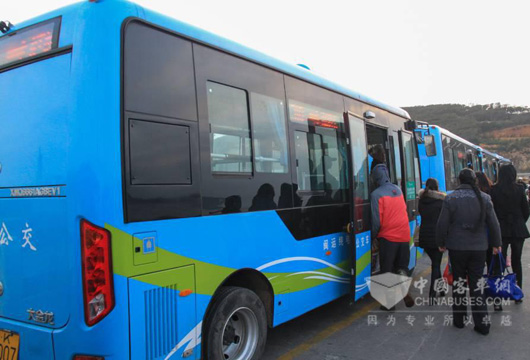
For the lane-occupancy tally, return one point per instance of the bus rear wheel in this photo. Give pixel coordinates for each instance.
(236, 327)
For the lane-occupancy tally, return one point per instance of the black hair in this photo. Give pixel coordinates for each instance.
(484, 183)
(507, 178)
(468, 177)
(430, 185)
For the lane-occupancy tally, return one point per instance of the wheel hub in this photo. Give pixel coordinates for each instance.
(240, 335)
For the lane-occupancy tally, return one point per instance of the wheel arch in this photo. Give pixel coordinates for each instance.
(252, 280)
(247, 278)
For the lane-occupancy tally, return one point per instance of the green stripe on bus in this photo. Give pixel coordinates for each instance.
(208, 276)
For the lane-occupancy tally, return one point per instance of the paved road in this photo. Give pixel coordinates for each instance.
(337, 331)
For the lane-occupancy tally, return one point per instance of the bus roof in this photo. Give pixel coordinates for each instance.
(221, 43)
(230, 46)
(456, 137)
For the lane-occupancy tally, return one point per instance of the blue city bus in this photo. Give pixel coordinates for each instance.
(166, 193)
(443, 154)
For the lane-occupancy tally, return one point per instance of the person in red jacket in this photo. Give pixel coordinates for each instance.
(390, 225)
(390, 222)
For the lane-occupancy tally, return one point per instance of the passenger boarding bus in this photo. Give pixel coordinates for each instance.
(166, 193)
(443, 155)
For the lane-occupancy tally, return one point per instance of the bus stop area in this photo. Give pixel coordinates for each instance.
(339, 331)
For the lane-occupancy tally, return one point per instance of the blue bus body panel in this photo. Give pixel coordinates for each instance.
(363, 255)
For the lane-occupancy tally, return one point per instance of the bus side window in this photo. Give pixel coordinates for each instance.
(321, 154)
(410, 161)
(155, 62)
(269, 133)
(360, 159)
(230, 145)
(449, 165)
(160, 128)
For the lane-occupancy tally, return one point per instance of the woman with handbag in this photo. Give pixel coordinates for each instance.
(511, 207)
(430, 206)
(467, 227)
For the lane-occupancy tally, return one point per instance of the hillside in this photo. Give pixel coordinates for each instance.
(499, 128)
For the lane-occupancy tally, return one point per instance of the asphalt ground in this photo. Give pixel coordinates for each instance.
(339, 331)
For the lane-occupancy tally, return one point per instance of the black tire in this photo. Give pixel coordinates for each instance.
(220, 318)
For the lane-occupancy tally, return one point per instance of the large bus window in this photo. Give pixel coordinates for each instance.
(321, 154)
(410, 176)
(270, 135)
(450, 176)
(159, 75)
(229, 130)
(160, 128)
(360, 158)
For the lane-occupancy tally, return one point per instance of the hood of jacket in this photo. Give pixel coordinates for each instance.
(380, 175)
(432, 194)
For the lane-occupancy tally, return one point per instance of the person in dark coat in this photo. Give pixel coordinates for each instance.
(468, 233)
(430, 206)
(485, 184)
(511, 207)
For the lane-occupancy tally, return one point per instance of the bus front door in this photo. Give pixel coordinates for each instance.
(410, 185)
(360, 225)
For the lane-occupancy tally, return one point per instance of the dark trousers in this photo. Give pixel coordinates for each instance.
(470, 265)
(436, 262)
(516, 245)
(394, 256)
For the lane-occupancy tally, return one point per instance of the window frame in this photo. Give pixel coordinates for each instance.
(251, 173)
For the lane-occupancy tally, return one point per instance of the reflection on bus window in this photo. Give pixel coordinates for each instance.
(430, 146)
(360, 158)
(410, 159)
(270, 136)
(321, 154)
(397, 160)
(230, 129)
(455, 159)
(310, 169)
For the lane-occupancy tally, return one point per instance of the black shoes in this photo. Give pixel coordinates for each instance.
(481, 330)
(409, 301)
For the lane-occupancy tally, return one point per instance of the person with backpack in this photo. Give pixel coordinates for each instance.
(467, 227)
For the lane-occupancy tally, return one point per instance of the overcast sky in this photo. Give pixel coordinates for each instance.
(403, 52)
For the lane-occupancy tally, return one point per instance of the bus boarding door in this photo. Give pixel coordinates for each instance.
(411, 185)
(359, 225)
